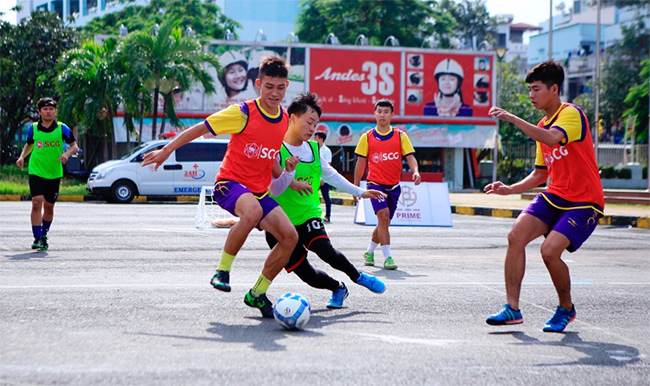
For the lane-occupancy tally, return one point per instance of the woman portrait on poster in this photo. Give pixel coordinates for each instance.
(448, 101)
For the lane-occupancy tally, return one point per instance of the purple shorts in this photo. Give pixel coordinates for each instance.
(226, 194)
(575, 221)
(390, 202)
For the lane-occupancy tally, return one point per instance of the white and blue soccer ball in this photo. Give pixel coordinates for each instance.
(292, 311)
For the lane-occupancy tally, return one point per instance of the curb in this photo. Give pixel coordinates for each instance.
(629, 221)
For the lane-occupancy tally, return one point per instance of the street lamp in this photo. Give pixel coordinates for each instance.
(293, 38)
(261, 35)
(190, 32)
(501, 53)
(362, 40)
(392, 40)
(331, 39)
(123, 30)
(229, 35)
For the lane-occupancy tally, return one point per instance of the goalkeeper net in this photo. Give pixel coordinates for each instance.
(211, 215)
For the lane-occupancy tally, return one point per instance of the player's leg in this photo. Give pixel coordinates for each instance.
(377, 205)
(52, 193)
(37, 191)
(325, 190)
(526, 229)
(570, 232)
(238, 201)
(391, 204)
(276, 222)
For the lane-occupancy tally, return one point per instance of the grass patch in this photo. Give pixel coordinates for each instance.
(14, 180)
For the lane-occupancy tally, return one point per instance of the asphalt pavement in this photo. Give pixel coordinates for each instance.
(123, 297)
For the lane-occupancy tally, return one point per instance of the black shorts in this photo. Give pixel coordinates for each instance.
(308, 231)
(49, 189)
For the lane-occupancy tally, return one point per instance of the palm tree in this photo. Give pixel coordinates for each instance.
(89, 89)
(164, 59)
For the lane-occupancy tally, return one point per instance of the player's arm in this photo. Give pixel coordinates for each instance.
(68, 153)
(534, 179)
(359, 169)
(27, 149)
(548, 137)
(409, 153)
(157, 157)
(413, 165)
(334, 178)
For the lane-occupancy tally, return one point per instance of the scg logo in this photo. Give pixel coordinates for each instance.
(380, 157)
(253, 150)
(555, 154)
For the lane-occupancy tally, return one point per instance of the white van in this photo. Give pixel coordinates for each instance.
(183, 174)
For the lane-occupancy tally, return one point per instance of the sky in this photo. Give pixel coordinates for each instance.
(525, 11)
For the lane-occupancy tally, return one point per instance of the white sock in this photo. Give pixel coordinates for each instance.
(385, 249)
(372, 246)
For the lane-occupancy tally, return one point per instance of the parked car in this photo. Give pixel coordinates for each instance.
(184, 173)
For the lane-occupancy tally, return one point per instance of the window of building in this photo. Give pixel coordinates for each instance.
(516, 36)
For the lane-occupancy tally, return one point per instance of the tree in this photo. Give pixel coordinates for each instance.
(165, 59)
(638, 99)
(29, 52)
(621, 69)
(204, 18)
(474, 23)
(514, 98)
(410, 21)
(89, 89)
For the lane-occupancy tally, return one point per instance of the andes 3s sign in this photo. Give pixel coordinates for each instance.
(349, 83)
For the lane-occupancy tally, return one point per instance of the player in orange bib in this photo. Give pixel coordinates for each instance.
(257, 128)
(568, 211)
(381, 150)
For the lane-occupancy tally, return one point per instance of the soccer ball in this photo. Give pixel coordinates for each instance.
(292, 311)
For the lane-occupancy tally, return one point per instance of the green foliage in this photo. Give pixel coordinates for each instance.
(160, 62)
(514, 98)
(611, 172)
(205, 18)
(638, 99)
(29, 52)
(621, 71)
(511, 170)
(410, 21)
(16, 181)
(473, 21)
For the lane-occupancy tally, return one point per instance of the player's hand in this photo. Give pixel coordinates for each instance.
(497, 187)
(156, 158)
(20, 162)
(291, 163)
(500, 113)
(372, 193)
(63, 158)
(416, 178)
(301, 187)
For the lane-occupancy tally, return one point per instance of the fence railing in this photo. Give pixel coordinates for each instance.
(608, 154)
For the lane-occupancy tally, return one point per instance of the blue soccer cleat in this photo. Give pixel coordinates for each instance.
(560, 319)
(372, 283)
(338, 296)
(506, 316)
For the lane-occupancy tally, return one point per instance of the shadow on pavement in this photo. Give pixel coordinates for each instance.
(597, 353)
(28, 255)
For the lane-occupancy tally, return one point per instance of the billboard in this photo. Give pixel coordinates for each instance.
(441, 98)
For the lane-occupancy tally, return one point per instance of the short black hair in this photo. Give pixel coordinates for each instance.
(549, 72)
(385, 103)
(47, 101)
(320, 135)
(303, 102)
(273, 66)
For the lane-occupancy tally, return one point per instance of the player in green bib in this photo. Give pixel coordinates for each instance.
(296, 190)
(45, 144)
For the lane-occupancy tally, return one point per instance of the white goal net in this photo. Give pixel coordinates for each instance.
(211, 215)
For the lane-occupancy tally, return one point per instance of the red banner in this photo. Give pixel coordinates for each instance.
(447, 85)
(349, 82)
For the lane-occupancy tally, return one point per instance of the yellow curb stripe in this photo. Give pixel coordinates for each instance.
(72, 197)
(140, 199)
(643, 222)
(464, 210)
(187, 198)
(507, 213)
(9, 197)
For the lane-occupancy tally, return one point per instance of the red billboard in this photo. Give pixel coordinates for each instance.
(348, 82)
(447, 85)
